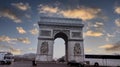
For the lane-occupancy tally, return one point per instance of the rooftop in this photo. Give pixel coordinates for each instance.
(60, 21)
(103, 56)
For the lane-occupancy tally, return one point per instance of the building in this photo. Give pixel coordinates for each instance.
(69, 29)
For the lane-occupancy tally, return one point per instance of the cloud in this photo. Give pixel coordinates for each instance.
(88, 50)
(46, 9)
(31, 49)
(111, 47)
(20, 30)
(9, 14)
(11, 49)
(21, 6)
(108, 36)
(84, 13)
(7, 39)
(98, 24)
(14, 40)
(34, 31)
(117, 9)
(116, 47)
(28, 16)
(23, 40)
(117, 22)
(117, 31)
(106, 46)
(15, 51)
(35, 25)
(93, 34)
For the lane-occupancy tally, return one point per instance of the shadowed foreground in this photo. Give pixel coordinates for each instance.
(29, 64)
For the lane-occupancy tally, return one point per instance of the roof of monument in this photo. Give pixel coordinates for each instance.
(60, 21)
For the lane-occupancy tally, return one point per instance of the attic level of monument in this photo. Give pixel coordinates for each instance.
(52, 21)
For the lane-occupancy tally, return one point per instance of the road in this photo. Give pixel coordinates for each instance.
(29, 64)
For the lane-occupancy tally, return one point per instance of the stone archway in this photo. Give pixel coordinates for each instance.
(65, 37)
(69, 29)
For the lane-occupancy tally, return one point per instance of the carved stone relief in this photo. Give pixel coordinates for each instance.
(67, 32)
(45, 33)
(76, 34)
(44, 48)
(77, 49)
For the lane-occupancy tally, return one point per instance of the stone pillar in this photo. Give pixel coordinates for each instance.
(45, 52)
(75, 52)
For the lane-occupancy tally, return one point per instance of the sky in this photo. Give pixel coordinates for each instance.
(19, 28)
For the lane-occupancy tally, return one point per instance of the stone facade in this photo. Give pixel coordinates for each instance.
(68, 29)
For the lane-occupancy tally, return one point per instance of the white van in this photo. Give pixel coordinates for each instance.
(6, 58)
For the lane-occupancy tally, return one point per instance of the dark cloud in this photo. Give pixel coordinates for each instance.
(62, 4)
(115, 47)
(7, 13)
(21, 6)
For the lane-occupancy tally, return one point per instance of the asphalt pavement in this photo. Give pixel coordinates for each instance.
(29, 64)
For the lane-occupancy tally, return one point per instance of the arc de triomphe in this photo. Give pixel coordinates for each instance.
(69, 29)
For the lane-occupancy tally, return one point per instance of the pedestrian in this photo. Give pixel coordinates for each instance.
(34, 63)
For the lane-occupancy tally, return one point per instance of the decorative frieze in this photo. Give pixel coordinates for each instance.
(76, 34)
(67, 32)
(45, 33)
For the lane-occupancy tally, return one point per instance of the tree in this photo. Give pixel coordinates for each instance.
(62, 59)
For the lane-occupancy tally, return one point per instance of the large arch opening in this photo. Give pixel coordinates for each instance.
(59, 48)
(62, 39)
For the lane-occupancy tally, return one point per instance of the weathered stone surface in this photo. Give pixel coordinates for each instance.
(68, 29)
(44, 48)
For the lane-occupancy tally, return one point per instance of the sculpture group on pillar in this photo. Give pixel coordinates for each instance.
(44, 48)
(77, 50)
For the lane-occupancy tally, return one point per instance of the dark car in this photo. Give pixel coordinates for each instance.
(74, 63)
